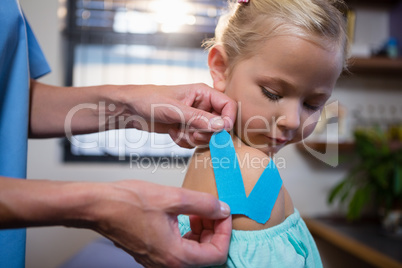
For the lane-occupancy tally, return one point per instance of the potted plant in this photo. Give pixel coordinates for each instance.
(375, 177)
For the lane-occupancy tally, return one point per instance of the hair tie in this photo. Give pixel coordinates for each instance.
(242, 1)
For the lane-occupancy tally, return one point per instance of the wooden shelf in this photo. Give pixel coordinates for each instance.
(363, 240)
(372, 3)
(345, 147)
(321, 146)
(375, 65)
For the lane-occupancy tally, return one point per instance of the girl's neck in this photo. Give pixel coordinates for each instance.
(238, 143)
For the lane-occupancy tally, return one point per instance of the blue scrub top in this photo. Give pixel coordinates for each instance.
(20, 59)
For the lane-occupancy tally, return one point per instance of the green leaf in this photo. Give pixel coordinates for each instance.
(398, 181)
(345, 195)
(336, 191)
(358, 201)
(343, 189)
(382, 174)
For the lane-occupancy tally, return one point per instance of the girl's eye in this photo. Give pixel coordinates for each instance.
(270, 95)
(312, 107)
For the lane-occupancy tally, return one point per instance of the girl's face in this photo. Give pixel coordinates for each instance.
(287, 81)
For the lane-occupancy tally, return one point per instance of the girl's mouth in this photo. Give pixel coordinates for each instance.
(278, 141)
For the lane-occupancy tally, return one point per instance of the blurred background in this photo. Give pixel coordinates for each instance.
(90, 42)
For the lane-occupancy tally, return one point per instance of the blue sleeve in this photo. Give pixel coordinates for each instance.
(38, 65)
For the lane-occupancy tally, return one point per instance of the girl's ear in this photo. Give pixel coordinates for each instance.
(218, 65)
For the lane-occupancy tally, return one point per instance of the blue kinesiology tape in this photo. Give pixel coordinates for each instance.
(229, 182)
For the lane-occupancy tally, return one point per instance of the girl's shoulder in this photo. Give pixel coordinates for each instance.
(200, 175)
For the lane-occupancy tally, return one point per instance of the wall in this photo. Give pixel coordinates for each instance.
(307, 179)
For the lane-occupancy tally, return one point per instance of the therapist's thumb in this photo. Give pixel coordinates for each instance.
(201, 204)
(202, 120)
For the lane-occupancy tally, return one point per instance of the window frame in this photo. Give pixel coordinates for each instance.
(75, 35)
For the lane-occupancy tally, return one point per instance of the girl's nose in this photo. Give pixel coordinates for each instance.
(290, 116)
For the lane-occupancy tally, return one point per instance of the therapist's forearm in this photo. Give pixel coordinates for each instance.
(55, 110)
(25, 203)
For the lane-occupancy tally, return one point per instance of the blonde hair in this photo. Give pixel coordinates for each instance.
(241, 31)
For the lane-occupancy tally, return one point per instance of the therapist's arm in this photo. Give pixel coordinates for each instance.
(137, 216)
(164, 109)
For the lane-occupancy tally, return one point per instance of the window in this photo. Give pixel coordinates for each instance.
(135, 42)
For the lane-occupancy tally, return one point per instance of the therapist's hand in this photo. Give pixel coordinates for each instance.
(141, 218)
(189, 113)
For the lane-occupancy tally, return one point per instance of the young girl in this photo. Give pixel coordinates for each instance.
(280, 61)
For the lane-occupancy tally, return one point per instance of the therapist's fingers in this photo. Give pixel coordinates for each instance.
(192, 117)
(197, 106)
(210, 111)
(204, 121)
(208, 240)
(141, 218)
(225, 107)
(190, 138)
(217, 104)
(197, 203)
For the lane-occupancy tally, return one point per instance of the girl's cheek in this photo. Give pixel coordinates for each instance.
(307, 130)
